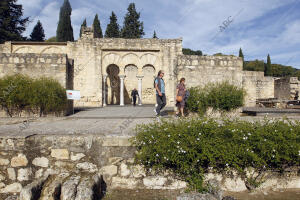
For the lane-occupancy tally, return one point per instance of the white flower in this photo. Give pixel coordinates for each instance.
(166, 129)
(157, 155)
(178, 142)
(249, 134)
(198, 139)
(274, 150)
(265, 139)
(245, 138)
(168, 135)
(226, 164)
(247, 149)
(197, 160)
(273, 156)
(200, 133)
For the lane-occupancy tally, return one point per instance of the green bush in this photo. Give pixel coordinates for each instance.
(225, 96)
(48, 96)
(189, 148)
(220, 96)
(15, 93)
(20, 93)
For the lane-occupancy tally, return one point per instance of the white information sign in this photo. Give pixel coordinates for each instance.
(73, 94)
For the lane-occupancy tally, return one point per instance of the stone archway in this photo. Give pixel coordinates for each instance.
(113, 85)
(130, 82)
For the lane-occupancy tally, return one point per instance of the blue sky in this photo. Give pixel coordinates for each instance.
(259, 27)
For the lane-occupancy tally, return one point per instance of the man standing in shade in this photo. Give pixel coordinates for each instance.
(134, 93)
(159, 85)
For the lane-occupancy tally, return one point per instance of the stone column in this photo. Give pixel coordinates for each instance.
(122, 89)
(104, 90)
(140, 88)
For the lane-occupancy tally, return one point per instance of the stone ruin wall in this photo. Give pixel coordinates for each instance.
(50, 162)
(133, 57)
(286, 88)
(48, 65)
(257, 86)
(144, 57)
(200, 70)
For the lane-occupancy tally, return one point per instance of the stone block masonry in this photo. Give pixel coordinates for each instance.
(65, 162)
(35, 65)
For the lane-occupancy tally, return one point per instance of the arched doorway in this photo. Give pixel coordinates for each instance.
(113, 85)
(130, 82)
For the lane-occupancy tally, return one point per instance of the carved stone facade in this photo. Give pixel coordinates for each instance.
(106, 70)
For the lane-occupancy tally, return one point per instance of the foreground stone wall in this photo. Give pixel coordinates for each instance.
(26, 161)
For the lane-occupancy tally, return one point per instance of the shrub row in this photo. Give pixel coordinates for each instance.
(221, 96)
(41, 96)
(191, 147)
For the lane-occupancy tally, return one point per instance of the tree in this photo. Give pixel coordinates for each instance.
(154, 35)
(64, 30)
(51, 39)
(113, 28)
(187, 51)
(268, 67)
(256, 65)
(241, 55)
(12, 25)
(82, 25)
(132, 27)
(37, 33)
(97, 28)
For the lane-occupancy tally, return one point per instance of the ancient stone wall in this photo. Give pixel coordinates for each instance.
(282, 88)
(200, 70)
(34, 65)
(46, 163)
(34, 47)
(257, 86)
(134, 58)
(141, 59)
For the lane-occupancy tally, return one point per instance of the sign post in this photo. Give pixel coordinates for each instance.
(73, 95)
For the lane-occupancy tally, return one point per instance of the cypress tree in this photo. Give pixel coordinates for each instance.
(12, 25)
(241, 55)
(112, 29)
(268, 67)
(97, 28)
(82, 25)
(154, 35)
(64, 30)
(37, 33)
(132, 27)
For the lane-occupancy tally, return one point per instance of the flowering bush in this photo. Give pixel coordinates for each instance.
(190, 147)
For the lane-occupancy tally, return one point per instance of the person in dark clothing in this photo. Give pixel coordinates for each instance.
(159, 85)
(134, 93)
